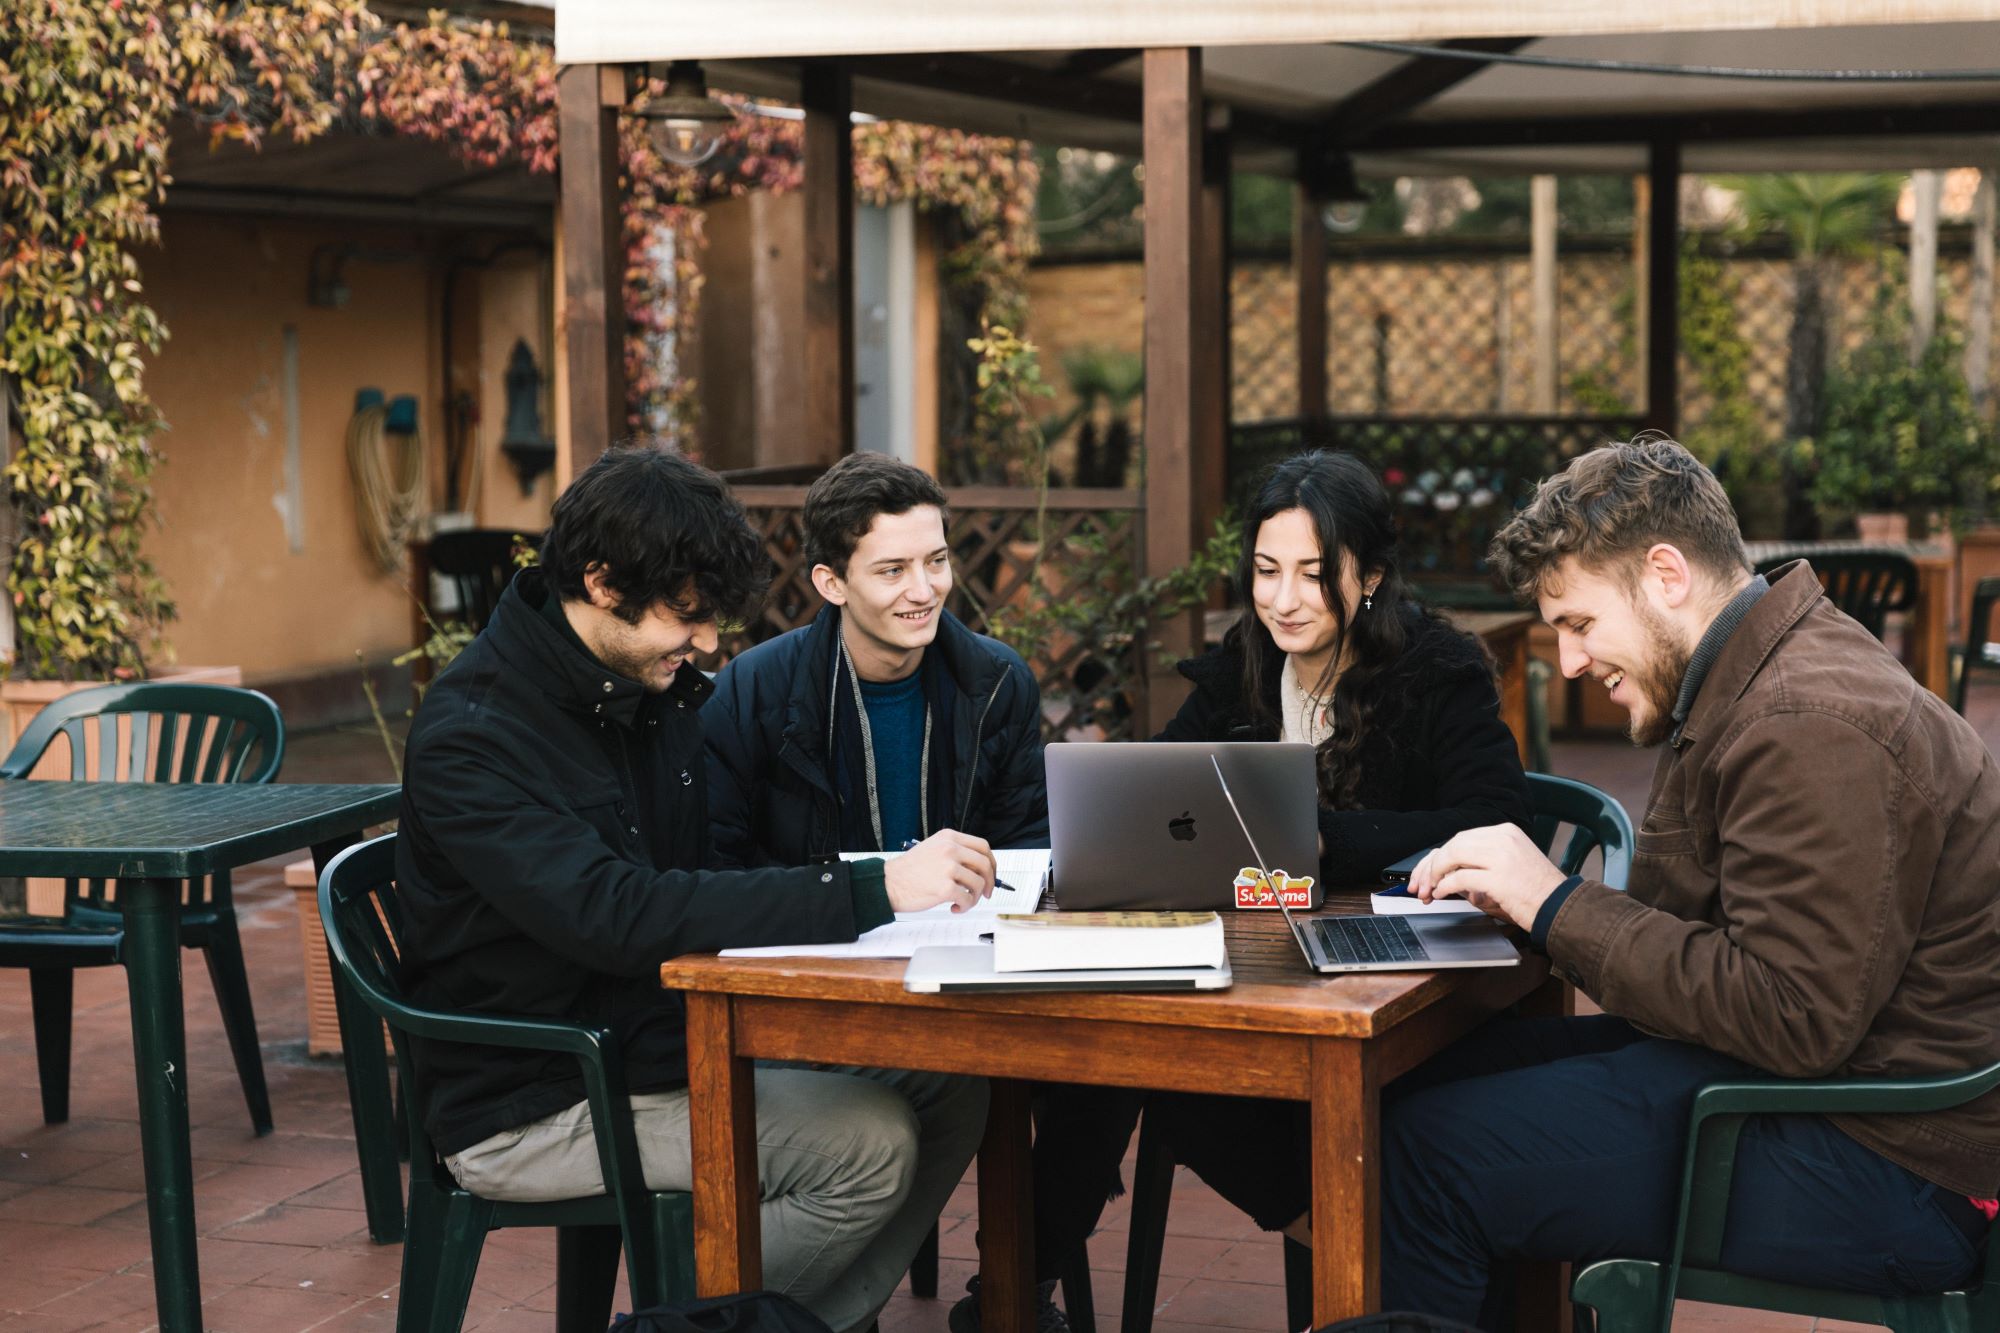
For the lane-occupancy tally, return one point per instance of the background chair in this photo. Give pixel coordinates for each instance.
(447, 1225)
(1637, 1296)
(478, 563)
(143, 733)
(1979, 653)
(1597, 822)
(1867, 585)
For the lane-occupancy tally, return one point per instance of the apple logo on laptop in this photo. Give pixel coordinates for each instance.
(1182, 829)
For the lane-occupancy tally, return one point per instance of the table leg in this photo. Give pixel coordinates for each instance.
(151, 909)
(722, 1124)
(1006, 1213)
(369, 1099)
(1347, 1181)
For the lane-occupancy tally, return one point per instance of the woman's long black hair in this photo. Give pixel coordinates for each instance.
(1351, 512)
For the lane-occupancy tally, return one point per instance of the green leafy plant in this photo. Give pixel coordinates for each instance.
(1902, 434)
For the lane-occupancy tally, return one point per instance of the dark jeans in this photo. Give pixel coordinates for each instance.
(1081, 1134)
(1564, 1138)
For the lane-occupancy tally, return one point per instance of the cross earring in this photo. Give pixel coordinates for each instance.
(1367, 601)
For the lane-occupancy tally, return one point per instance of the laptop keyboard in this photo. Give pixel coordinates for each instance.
(1369, 939)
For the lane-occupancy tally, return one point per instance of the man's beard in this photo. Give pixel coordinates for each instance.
(1660, 679)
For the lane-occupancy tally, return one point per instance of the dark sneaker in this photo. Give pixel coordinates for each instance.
(964, 1317)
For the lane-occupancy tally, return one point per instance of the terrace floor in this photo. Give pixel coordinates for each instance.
(283, 1241)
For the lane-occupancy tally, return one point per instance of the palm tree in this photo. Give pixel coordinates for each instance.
(1823, 215)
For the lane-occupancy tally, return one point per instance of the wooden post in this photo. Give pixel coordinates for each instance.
(593, 259)
(827, 90)
(1176, 389)
(1926, 191)
(1211, 438)
(1309, 271)
(1642, 270)
(1663, 287)
(1979, 322)
(1542, 288)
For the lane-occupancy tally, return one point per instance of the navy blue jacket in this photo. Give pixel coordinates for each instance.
(771, 794)
(551, 857)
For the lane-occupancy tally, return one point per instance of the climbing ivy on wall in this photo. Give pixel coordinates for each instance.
(88, 89)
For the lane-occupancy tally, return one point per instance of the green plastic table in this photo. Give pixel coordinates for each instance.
(150, 837)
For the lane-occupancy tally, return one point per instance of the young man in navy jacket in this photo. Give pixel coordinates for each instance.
(885, 718)
(554, 852)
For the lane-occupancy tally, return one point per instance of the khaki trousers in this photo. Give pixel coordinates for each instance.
(853, 1164)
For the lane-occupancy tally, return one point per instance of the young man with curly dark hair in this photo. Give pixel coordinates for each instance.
(554, 852)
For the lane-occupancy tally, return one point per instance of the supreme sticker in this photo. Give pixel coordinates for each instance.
(1252, 890)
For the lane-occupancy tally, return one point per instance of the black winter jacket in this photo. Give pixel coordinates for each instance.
(553, 838)
(771, 792)
(1437, 759)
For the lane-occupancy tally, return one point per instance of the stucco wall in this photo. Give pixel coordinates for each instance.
(284, 604)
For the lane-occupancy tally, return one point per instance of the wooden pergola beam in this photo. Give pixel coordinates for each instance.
(1309, 272)
(1409, 86)
(1211, 439)
(1663, 288)
(593, 262)
(1179, 387)
(827, 92)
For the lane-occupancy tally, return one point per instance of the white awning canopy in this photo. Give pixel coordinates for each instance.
(1069, 73)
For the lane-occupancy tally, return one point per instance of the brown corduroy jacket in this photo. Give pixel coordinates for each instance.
(1816, 886)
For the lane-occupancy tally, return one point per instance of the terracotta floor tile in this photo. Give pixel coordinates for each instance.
(284, 1225)
(68, 1203)
(257, 1309)
(1219, 1304)
(360, 1270)
(26, 1286)
(110, 1297)
(45, 1165)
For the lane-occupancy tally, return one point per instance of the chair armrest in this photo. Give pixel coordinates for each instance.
(534, 1034)
(1841, 1096)
(1720, 1110)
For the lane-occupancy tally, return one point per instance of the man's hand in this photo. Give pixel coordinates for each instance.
(1498, 870)
(947, 867)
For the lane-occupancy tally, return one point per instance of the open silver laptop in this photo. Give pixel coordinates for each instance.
(1143, 826)
(1385, 943)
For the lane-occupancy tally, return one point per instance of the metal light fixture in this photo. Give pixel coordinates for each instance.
(1344, 202)
(685, 123)
(531, 452)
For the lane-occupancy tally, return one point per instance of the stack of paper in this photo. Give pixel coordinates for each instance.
(1071, 941)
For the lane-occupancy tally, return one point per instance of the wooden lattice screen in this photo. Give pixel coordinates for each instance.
(1455, 479)
(1095, 538)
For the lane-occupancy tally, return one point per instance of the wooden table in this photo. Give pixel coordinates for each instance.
(151, 837)
(1927, 640)
(1505, 634)
(1281, 1031)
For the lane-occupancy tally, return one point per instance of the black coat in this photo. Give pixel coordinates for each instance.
(1437, 760)
(771, 792)
(551, 854)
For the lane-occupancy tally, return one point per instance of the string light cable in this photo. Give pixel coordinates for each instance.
(1596, 66)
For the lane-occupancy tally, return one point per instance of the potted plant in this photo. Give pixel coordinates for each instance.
(1900, 440)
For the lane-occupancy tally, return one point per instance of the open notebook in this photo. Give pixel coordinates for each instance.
(1025, 868)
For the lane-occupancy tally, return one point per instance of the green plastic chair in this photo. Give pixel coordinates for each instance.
(1637, 1296)
(1979, 652)
(447, 1225)
(143, 733)
(1867, 585)
(1597, 823)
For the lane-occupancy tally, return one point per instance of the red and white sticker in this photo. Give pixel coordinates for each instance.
(1253, 891)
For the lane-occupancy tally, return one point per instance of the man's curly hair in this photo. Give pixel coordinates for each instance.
(667, 532)
(1610, 506)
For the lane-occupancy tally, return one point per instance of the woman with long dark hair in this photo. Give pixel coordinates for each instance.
(1403, 714)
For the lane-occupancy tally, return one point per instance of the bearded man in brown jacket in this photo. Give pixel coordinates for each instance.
(1815, 892)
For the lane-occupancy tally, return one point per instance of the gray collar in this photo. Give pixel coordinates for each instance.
(1710, 648)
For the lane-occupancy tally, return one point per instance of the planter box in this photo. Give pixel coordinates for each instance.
(21, 700)
(322, 1017)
